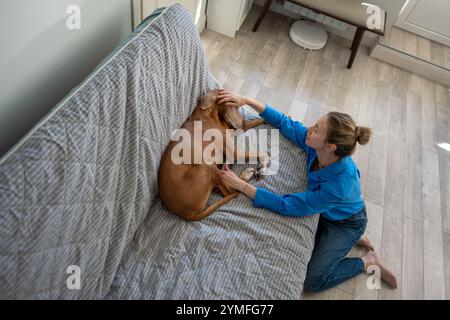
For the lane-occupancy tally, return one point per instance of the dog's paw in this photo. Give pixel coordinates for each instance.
(263, 167)
(264, 162)
(261, 171)
(247, 174)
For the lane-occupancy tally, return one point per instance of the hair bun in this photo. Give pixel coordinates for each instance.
(358, 132)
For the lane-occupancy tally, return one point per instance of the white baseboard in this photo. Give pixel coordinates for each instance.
(412, 64)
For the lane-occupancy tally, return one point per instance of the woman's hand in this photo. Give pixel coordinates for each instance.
(230, 99)
(234, 100)
(230, 179)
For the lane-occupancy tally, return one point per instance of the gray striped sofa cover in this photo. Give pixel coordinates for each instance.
(80, 189)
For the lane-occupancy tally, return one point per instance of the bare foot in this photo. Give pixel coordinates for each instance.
(370, 259)
(365, 243)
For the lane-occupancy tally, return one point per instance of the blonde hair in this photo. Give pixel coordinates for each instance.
(345, 133)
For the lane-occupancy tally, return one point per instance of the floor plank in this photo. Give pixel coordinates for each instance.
(413, 164)
(429, 117)
(392, 249)
(338, 294)
(366, 115)
(434, 269)
(447, 261)
(324, 295)
(412, 268)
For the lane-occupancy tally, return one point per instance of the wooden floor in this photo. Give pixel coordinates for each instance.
(405, 175)
(418, 46)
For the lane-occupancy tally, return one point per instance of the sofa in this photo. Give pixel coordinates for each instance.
(79, 193)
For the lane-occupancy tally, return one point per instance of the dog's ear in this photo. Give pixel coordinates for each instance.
(233, 118)
(208, 100)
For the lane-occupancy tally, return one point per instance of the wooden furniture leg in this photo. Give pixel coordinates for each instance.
(262, 15)
(355, 45)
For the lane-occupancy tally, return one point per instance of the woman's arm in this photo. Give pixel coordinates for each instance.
(236, 101)
(293, 130)
(246, 188)
(256, 105)
(294, 205)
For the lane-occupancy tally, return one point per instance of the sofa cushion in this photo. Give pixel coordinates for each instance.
(238, 252)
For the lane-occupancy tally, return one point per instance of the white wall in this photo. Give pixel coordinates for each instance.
(137, 12)
(41, 60)
(196, 7)
(392, 7)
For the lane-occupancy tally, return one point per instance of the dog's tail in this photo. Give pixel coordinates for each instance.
(212, 208)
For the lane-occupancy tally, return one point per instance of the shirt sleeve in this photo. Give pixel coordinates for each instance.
(296, 204)
(293, 130)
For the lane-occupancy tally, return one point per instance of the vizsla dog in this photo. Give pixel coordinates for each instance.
(186, 187)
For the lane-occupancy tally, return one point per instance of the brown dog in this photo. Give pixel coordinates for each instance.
(185, 188)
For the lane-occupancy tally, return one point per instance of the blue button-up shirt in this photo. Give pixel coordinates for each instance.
(334, 191)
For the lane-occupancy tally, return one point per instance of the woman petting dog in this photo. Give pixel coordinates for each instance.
(334, 191)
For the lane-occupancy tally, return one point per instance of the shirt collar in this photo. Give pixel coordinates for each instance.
(330, 171)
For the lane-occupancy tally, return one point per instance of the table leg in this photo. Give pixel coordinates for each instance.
(355, 45)
(262, 15)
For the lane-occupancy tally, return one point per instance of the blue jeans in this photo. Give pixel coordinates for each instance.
(329, 266)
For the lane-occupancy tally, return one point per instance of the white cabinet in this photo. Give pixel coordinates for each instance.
(227, 16)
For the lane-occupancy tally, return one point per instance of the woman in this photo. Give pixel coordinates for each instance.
(334, 191)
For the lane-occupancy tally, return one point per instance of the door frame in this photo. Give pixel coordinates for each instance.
(402, 22)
